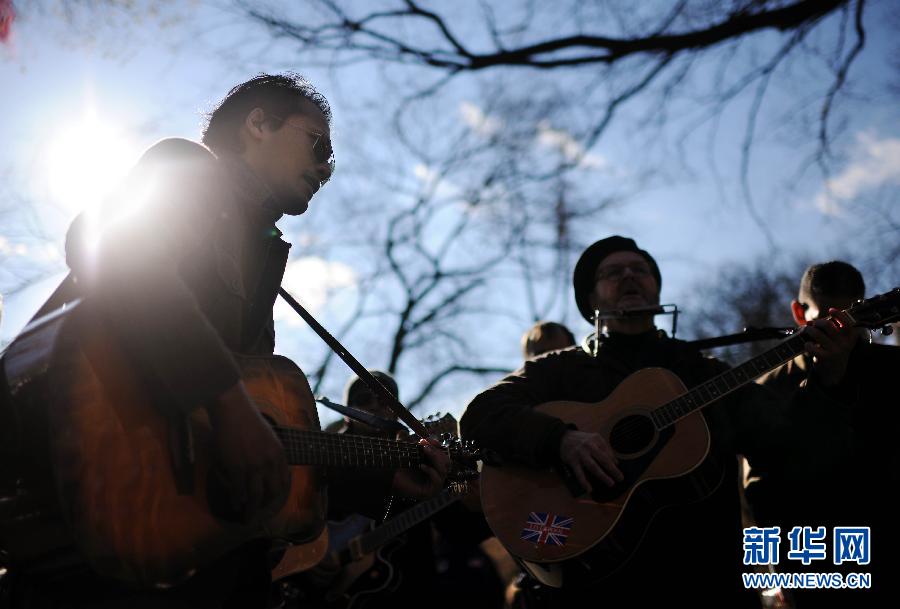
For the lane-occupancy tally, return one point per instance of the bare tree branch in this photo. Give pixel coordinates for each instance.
(447, 372)
(360, 34)
(839, 79)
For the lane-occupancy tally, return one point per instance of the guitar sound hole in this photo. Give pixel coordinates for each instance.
(632, 434)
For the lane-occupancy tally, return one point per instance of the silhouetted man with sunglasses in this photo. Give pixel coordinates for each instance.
(184, 263)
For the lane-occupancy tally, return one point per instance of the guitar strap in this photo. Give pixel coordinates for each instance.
(371, 382)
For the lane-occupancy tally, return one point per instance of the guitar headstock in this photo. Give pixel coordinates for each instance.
(442, 425)
(877, 312)
(464, 458)
(464, 454)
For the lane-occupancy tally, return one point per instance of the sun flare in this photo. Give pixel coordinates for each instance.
(87, 160)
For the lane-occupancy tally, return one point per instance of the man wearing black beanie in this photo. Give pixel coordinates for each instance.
(625, 255)
(690, 552)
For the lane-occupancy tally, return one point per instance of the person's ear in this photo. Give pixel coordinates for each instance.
(254, 123)
(799, 312)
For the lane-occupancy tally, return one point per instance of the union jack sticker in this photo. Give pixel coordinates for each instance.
(546, 528)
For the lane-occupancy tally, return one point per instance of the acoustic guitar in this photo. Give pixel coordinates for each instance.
(129, 511)
(657, 432)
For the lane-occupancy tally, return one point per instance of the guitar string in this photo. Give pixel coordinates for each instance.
(360, 450)
(307, 442)
(669, 413)
(347, 450)
(335, 446)
(661, 417)
(740, 375)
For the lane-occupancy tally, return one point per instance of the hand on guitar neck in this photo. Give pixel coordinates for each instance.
(428, 480)
(250, 457)
(830, 342)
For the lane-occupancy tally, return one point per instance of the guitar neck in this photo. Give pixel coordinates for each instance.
(369, 542)
(708, 392)
(306, 447)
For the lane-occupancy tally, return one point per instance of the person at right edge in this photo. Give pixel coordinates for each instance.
(690, 555)
(844, 475)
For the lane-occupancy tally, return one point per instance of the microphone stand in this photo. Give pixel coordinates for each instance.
(748, 335)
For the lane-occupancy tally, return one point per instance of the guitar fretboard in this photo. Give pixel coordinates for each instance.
(305, 447)
(406, 520)
(708, 392)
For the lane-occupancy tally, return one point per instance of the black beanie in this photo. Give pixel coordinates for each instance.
(586, 268)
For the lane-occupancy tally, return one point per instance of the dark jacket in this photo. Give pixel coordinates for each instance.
(690, 553)
(185, 265)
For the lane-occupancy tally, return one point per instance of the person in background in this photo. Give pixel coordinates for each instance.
(545, 336)
(842, 475)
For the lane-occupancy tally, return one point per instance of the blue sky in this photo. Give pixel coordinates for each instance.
(132, 85)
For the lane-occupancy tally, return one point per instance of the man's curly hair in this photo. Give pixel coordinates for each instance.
(279, 95)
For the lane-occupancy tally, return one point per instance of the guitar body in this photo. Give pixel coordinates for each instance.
(298, 558)
(358, 568)
(112, 455)
(355, 584)
(341, 579)
(539, 520)
(372, 577)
